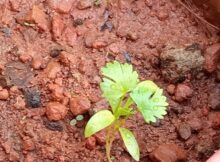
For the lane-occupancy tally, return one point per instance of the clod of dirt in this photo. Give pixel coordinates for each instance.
(56, 111)
(171, 89)
(37, 16)
(205, 148)
(79, 105)
(54, 125)
(57, 92)
(84, 4)
(25, 58)
(176, 63)
(32, 97)
(184, 131)
(168, 153)
(28, 145)
(214, 98)
(18, 74)
(195, 124)
(212, 57)
(183, 92)
(91, 143)
(52, 69)
(100, 137)
(57, 27)
(4, 94)
(61, 6)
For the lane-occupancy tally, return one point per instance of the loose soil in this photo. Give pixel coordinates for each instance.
(51, 55)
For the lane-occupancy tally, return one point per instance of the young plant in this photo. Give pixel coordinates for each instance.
(126, 95)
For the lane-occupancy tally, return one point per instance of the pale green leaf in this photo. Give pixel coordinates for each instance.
(99, 121)
(130, 143)
(150, 101)
(118, 80)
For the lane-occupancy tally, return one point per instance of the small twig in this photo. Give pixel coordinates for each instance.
(197, 16)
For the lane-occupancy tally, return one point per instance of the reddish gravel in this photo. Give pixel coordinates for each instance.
(51, 55)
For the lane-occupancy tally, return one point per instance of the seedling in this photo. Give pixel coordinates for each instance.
(126, 96)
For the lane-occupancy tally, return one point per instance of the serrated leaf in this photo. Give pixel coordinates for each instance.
(150, 101)
(130, 143)
(99, 121)
(118, 80)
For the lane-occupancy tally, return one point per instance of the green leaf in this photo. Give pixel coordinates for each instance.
(118, 80)
(99, 121)
(150, 101)
(130, 143)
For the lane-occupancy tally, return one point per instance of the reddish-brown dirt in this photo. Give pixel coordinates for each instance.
(51, 55)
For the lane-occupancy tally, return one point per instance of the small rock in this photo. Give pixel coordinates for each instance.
(183, 92)
(54, 125)
(38, 17)
(68, 58)
(90, 37)
(100, 138)
(168, 153)
(61, 6)
(91, 143)
(33, 98)
(20, 103)
(214, 98)
(57, 27)
(36, 63)
(195, 124)
(99, 44)
(84, 4)
(212, 57)
(77, 22)
(79, 105)
(176, 63)
(28, 145)
(4, 94)
(56, 111)
(132, 36)
(25, 58)
(55, 52)
(184, 131)
(171, 89)
(52, 69)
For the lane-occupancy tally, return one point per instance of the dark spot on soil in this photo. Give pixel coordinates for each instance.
(6, 31)
(32, 97)
(77, 22)
(55, 52)
(107, 25)
(127, 57)
(54, 125)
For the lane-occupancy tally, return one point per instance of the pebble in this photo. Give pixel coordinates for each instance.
(184, 131)
(52, 69)
(36, 63)
(56, 111)
(91, 143)
(183, 92)
(79, 105)
(84, 4)
(212, 57)
(162, 15)
(195, 124)
(168, 153)
(4, 94)
(171, 89)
